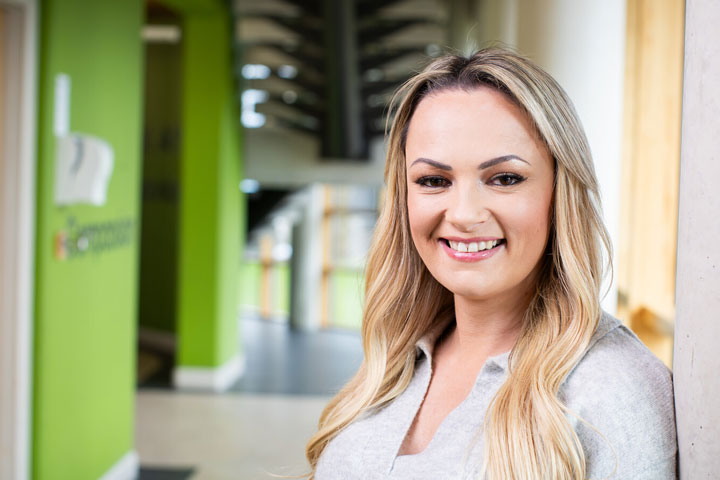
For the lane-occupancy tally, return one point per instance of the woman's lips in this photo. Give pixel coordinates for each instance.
(470, 256)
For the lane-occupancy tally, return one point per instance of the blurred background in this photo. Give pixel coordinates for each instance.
(189, 192)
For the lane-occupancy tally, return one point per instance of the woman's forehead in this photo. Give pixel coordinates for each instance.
(479, 122)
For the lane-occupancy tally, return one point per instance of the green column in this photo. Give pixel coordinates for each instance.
(210, 214)
(87, 255)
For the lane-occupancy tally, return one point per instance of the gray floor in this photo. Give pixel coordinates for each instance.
(280, 360)
(259, 428)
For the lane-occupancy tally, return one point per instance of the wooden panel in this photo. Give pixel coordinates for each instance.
(651, 159)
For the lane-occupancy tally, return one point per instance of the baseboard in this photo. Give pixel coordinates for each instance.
(127, 468)
(210, 379)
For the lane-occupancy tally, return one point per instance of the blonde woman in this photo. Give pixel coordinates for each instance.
(487, 354)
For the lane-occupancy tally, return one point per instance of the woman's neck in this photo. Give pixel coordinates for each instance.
(485, 328)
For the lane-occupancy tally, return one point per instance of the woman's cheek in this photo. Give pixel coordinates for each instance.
(423, 211)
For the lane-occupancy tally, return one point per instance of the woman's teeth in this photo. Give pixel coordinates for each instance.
(473, 246)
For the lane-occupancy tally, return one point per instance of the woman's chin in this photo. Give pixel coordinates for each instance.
(473, 293)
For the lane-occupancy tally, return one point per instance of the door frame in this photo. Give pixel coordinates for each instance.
(17, 240)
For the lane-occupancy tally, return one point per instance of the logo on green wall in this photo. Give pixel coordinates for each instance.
(80, 239)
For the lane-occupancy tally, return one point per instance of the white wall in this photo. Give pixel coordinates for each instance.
(582, 44)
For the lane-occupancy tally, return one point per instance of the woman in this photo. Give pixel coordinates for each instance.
(487, 354)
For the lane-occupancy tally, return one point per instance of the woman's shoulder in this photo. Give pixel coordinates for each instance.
(616, 357)
(623, 396)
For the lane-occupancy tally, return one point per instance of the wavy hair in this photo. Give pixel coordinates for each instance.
(527, 434)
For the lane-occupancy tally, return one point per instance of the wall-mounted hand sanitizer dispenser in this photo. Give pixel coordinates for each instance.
(83, 163)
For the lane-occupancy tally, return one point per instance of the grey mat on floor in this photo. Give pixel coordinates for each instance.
(153, 473)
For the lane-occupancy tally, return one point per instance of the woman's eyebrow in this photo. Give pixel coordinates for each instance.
(434, 163)
(482, 166)
(495, 161)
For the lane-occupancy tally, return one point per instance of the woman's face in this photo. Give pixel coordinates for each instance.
(480, 187)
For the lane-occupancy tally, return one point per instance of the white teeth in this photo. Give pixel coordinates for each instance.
(473, 246)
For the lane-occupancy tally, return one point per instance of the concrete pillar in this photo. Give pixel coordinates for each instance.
(307, 261)
(696, 359)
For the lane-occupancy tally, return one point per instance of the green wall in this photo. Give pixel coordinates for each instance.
(193, 211)
(347, 290)
(87, 299)
(161, 163)
(211, 211)
(250, 288)
(84, 363)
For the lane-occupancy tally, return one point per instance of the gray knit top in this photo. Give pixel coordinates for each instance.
(619, 387)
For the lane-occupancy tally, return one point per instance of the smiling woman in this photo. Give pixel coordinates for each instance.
(486, 352)
(490, 181)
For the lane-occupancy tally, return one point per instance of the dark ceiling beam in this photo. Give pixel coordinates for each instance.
(375, 112)
(344, 135)
(379, 59)
(377, 29)
(374, 131)
(373, 88)
(312, 7)
(303, 82)
(305, 55)
(309, 30)
(370, 8)
(293, 124)
(345, 65)
(298, 106)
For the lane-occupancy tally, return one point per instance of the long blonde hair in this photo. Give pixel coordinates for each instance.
(527, 434)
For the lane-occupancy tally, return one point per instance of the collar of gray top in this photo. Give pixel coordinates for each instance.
(426, 344)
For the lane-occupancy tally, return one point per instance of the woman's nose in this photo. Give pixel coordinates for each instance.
(467, 209)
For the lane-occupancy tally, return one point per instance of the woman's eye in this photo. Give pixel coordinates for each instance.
(507, 179)
(432, 182)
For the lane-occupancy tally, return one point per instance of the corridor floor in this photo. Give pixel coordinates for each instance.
(224, 437)
(259, 428)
